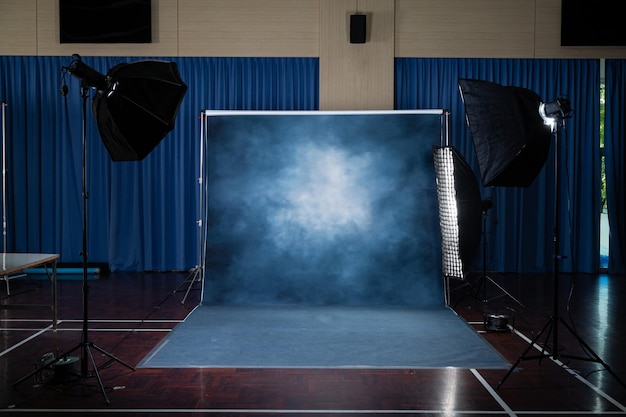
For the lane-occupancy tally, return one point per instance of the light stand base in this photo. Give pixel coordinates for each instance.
(194, 277)
(481, 283)
(86, 348)
(549, 328)
(85, 345)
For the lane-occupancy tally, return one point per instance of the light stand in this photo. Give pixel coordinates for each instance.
(484, 278)
(481, 282)
(85, 345)
(135, 107)
(551, 328)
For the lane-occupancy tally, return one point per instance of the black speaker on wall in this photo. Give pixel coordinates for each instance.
(358, 28)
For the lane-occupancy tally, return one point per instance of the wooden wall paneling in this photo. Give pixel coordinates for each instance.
(356, 76)
(460, 28)
(18, 27)
(249, 28)
(287, 28)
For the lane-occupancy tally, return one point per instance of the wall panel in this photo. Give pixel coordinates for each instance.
(18, 35)
(356, 76)
(460, 28)
(250, 28)
(290, 28)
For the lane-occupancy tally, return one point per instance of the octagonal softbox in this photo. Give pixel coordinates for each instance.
(138, 107)
(509, 135)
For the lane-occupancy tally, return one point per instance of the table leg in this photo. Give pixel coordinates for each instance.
(54, 295)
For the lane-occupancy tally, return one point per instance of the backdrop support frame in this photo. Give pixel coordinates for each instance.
(196, 275)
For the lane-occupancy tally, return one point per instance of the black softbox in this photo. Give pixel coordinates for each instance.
(138, 107)
(460, 210)
(509, 135)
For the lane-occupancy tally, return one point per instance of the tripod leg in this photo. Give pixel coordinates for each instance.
(465, 284)
(594, 355)
(95, 371)
(523, 356)
(112, 357)
(479, 285)
(505, 292)
(193, 277)
(191, 284)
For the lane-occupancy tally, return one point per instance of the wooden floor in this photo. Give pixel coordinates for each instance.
(130, 313)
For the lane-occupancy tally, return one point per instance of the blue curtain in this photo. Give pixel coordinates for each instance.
(141, 215)
(521, 223)
(615, 155)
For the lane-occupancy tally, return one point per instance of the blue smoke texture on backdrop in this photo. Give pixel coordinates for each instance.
(323, 209)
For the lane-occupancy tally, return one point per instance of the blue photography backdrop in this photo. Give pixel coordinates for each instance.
(322, 208)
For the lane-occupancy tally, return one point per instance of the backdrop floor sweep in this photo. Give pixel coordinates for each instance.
(323, 337)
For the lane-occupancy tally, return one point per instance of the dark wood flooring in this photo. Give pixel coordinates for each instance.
(130, 313)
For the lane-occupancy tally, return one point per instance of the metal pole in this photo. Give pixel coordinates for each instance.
(4, 179)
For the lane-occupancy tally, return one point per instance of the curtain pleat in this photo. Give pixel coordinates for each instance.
(615, 155)
(142, 215)
(521, 222)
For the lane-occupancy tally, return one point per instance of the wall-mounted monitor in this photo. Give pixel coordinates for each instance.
(592, 23)
(105, 21)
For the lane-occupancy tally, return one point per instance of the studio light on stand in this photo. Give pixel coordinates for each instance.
(135, 106)
(510, 141)
(554, 114)
(512, 129)
(459, 212)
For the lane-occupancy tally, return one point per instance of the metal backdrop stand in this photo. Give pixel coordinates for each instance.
(196, 275)
(4, 181)
(552, 326)
(85, 345)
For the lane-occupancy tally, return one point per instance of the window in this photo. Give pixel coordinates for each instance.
(604, 217)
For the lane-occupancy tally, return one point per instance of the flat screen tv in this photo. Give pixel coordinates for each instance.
(105, 21)
(592, 23)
